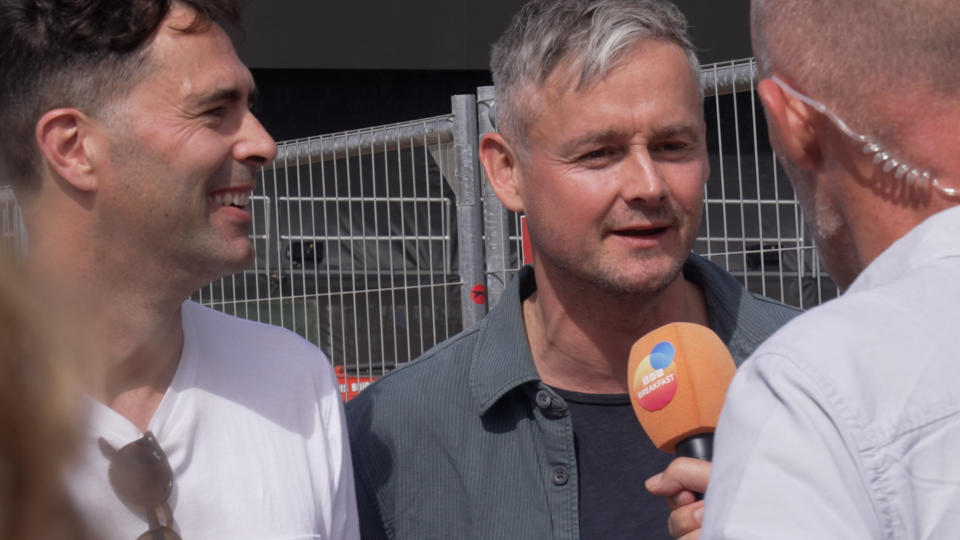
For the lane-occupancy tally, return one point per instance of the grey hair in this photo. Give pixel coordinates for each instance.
(591, 35)
(845, 52)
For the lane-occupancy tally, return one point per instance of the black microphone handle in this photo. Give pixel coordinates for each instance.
(699, 447)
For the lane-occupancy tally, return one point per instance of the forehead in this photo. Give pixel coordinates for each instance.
(189, 64)
(652, 84)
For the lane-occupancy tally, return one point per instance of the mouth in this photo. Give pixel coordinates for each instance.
(641, 232)
(237, 198)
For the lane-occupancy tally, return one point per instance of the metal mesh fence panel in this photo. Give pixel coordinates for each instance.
(358, 247)
(752, 225)
(355, 236)
(12, 233)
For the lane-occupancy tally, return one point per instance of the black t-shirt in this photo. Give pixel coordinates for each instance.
(614, 457)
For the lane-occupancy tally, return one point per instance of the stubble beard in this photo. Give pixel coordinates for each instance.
(641, 279)
(645, 290)
(826, 224)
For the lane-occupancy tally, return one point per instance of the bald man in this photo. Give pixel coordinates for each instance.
(846, 422)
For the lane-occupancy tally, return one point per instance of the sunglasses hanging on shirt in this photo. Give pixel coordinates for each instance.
(142, 479)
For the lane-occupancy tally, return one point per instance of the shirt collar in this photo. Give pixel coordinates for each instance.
(501, 358)
(935, 238)
(732, 311)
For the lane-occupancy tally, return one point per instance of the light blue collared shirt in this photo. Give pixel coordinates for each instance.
(846, 423)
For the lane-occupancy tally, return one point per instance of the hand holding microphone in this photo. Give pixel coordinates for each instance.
(678, 377)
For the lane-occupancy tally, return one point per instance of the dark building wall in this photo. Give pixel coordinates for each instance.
(329, 66)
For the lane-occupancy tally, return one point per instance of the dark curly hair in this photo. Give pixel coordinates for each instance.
(79, 54)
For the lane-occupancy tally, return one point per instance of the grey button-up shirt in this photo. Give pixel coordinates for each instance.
(468, 442)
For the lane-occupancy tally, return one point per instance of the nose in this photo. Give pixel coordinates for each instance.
(255, 146)
(641, 181)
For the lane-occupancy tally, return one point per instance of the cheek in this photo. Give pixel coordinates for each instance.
(566, 194)
(542, 186)
(689, 197)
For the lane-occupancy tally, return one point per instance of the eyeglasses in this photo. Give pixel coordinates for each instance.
(142, 479)
(882, 157)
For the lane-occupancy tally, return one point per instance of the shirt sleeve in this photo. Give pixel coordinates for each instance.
(344, 523)
(784, 467)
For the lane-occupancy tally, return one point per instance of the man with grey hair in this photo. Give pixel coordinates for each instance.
(521, 427)
(846, 422)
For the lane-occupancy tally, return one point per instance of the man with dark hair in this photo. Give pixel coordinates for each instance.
(521, 427)
(130, 143)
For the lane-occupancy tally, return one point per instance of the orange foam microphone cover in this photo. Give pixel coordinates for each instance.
(678, 377)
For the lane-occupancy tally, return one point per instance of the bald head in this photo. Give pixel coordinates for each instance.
(845, 51)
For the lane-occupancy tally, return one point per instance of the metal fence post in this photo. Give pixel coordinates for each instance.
(727, 78)
(496, 217)
(13, 233)
(469, 213)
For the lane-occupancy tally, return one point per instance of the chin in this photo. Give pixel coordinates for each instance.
(244, 262)
(655, 277)
(237, 261)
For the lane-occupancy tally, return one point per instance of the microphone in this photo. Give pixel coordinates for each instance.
(678, 376)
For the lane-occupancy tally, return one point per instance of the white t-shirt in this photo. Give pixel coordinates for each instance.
(253, 428)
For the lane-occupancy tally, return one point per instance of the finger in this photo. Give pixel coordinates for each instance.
(680, 499)
(683, 498)
(685, 521)
(682, 474)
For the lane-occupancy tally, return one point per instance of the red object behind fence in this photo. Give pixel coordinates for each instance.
(351, 385)
(525, 241)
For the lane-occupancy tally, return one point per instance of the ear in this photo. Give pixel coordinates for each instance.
(792, 120)
(501, 165)
(63, 137)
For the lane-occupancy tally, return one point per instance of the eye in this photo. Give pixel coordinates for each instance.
(217, 112)
(598, 157)
(673, 149)
(672, 146)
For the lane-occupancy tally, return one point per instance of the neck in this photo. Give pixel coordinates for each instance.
(132, 334)
(877, 208)
(580, 337)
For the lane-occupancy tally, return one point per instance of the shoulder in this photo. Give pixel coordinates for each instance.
(242, 334)
(725, 292)
(802, 343)
(764, 315)
(839, 325)
(860, 356)
(741, 318)
(413, 413)
(409, 392)
(236, 348)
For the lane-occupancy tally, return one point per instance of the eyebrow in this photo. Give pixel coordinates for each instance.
(227, 94)
(675, 130)
(665, 132)
(588, 139)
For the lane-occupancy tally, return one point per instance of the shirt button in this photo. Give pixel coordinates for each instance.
(560, 476)
(543, 399)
